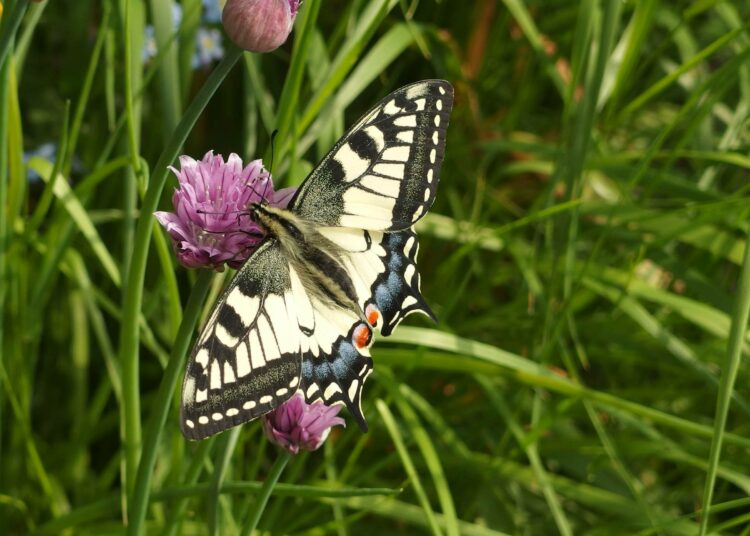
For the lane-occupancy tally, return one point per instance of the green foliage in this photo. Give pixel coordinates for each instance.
(585, 257)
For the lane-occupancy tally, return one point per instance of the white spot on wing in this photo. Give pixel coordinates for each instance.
(383, 186)
(245, 306)
(231, 412)
(304, 310)
(391, 107)
(189, 423)
(408, 301)
(256, 352)
(353, 165)
(203, 419)
(409, 273)
(265, 399)
(225, 337)
(407, 136)
(377, 137)
(435, 137)
(391, 170)
(312, 390)
(217, 416)
(439, 104)
(399, 153)
(268, 339)
(418, 213)
(420, 104)
(353, 389)
(437, 120)
(282, 391)
(242, 360)
(406, 121)
(433, 154)
(294, 382)
(249, 405)
(215, 375)
(201, 395)
(429, 175)
(202, 357)
(228, 372)
(331, 390)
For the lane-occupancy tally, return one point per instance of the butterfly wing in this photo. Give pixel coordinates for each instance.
(247, 359)
(383, 173)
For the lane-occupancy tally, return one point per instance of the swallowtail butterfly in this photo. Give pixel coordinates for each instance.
(337, 263)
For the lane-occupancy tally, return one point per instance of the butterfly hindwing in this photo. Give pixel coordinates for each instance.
(247, 359)
(336, 360)
(383, 267)
(383, 173)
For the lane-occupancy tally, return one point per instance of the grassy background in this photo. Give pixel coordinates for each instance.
(585, 257)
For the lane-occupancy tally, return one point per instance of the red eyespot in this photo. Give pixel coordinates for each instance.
(362, 335)
(373, 315)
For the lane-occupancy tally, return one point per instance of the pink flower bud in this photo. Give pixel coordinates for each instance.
(259, 25)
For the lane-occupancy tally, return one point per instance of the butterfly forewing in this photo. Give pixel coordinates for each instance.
(383, 174)
(247, 359)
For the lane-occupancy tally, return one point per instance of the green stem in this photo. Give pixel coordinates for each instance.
(265, 492)
(726, 388)
(10, 27)
(137, 270)
(155, 426)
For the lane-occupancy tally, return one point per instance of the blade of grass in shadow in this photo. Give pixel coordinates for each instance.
(408, 464)
(229, 443)
(110, 505)
(726, 389)
(532, 453)
(428, 451)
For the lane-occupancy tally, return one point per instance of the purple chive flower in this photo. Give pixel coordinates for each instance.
(298, 425)
(259, 25)
(211, 224)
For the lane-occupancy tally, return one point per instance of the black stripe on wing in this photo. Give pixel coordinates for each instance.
(247, 359)
(383, 173)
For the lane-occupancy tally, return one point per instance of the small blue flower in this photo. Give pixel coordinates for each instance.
(208, 47)
(212, 11)
(149, 44)
(47, 151)
(149, 40)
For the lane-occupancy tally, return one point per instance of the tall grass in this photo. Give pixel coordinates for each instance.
(586, 256)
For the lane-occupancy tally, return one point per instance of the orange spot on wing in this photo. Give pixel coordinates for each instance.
(373, 315)
(362, 336)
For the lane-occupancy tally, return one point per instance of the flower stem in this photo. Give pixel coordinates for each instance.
(155, 426)
(265, 492)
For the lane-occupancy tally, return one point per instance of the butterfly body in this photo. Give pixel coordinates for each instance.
(338, 263)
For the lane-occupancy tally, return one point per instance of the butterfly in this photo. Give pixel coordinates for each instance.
(338, 263)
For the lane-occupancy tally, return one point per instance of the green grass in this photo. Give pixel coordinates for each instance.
(586, 258)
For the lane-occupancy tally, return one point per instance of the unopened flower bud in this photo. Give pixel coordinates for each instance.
(259, 25)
